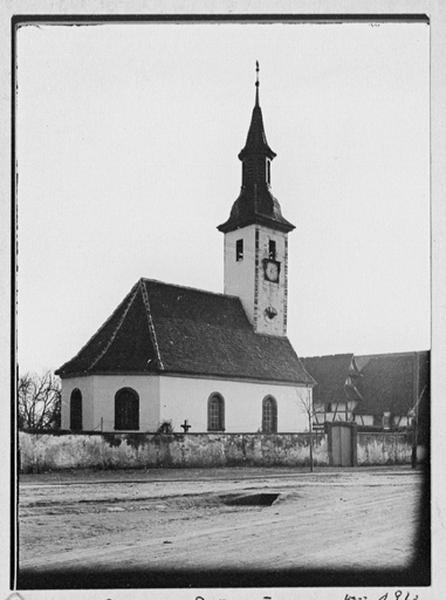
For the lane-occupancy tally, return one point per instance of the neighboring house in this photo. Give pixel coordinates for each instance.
(334, 396)
(394, 388)
(385, 391)
(210, 362)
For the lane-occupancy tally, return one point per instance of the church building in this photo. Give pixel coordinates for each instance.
(212, 362)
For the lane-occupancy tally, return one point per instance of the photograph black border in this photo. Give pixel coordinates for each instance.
(417, 574)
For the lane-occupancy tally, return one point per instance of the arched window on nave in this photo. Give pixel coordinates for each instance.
(269, 415)
(126, 409)
(216, 413)
(76, 410)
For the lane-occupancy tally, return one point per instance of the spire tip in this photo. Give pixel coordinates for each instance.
(257, 83)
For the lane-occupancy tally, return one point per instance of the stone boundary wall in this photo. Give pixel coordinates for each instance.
(55, 451)
(45, 452)
(383, 448)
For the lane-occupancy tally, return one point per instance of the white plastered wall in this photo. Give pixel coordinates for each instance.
(98, 400)
(239, 276)
(402, 421)
(187, 398)
(364, 419)
(271, 294)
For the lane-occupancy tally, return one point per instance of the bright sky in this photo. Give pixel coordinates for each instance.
(127, 142)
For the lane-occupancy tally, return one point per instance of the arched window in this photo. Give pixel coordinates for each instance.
(269, 415)
(76, 410)
(216, 413)
(126, 409)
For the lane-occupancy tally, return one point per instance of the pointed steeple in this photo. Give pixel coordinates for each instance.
(256, 204)
(256, 139)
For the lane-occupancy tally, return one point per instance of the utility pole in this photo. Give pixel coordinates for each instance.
(417, 397)
(310, 425)
(413, 460)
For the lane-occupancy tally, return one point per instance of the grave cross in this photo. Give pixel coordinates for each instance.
(185, 426)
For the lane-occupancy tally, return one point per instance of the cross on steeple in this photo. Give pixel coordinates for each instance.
(257, 82)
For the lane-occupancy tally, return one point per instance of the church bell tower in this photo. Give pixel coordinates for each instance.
(256, 236)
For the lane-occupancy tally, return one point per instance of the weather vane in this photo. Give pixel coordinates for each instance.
(257, 73)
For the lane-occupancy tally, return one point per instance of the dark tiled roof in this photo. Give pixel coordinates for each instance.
(388, 383)
(168, 328)
(256, 205)
(256, 139)
(331, 373)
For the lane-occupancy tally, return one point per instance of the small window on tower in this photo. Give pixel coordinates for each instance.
(239, 250)
(268, 171)
(272, 249)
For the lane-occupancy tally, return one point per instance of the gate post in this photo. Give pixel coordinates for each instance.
(354, 427)
(329, 430)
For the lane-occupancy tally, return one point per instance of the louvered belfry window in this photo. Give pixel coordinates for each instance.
(269, 415)
(239, 250)
(126, 409)
(272, 249)
(216, 413)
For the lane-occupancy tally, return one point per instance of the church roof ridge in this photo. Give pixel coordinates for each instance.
(152, 331)
(186, 287)
(117, 328)
(395, 354)
(337, 355)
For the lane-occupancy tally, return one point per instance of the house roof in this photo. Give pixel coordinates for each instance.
(388, 382)
(331, 373)
(378, 382)
(164, 328)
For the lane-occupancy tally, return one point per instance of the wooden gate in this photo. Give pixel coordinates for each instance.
(342, 444)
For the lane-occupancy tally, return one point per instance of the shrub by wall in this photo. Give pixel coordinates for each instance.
(44, 452)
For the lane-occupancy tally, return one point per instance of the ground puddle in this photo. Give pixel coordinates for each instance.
(265, 499)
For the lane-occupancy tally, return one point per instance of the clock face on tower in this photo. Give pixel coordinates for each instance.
(271, 270)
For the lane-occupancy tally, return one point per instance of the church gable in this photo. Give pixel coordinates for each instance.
(131, 348)
(99, 343)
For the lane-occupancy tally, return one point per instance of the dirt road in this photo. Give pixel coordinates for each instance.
(358, 519)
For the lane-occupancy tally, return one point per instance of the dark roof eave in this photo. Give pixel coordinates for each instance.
(186, 374)
(71, 374)
(236, 377)
(232, 225)
(263, 151)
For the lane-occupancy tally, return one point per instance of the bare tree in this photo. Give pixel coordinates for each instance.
(306, 402)
(39, 401)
